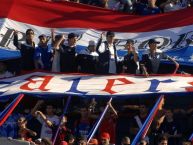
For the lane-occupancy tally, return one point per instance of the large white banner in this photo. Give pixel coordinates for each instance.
(173, 30)
(40, 83)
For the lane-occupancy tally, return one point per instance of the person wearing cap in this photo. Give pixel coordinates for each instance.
(43, 54)
(151, 60)
(107, 54)
(27, 49)
(68, 60)
(109, 123)
(57, 43)
(88, 58)
(105, 138)
(131, 59)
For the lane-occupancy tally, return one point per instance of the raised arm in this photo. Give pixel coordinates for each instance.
(99, 42)
(52, 37)
(15, 40)
(57, 43)
(112, 108)
(36, 107)
(31, 132)
(176, 64)
(44, 118)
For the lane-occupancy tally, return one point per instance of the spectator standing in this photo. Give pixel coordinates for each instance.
(93, 141)
(23, 132)
(105, 138)
(171, 5)
(125, 141)
(63, 130)
(108, 55)
(131, 59)
(88, 58)
(138, 121)
(108, 124)
(151, 60)
(163, 140)
(46, 131)
(57, 42)
(170, 128)
(43, 54)
(83, 125)
(143, 142)
(68, 60)
(27, 49)
(147, 9)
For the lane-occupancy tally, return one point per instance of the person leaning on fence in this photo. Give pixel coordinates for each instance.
(27, 49)
(151, 59)
(87, 59)
(107, 54)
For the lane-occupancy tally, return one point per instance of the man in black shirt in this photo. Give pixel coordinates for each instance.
(68, 62)
(27, 49)
(130, 60)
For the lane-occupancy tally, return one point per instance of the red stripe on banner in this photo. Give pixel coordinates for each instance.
(12, 108)
(73, 15)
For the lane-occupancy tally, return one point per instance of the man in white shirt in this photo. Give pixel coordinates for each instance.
(108, 55)
(46, 131)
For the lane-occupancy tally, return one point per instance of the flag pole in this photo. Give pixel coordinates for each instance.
(9, 109)
(64, 112)
(191, 137)
(145, 127)
(95, 127)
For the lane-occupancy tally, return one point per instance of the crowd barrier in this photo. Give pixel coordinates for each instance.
(7, 141)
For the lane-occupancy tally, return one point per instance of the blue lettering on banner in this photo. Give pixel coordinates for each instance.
(155, 83)
(74, 87)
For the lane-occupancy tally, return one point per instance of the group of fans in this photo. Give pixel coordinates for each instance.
(139, 7)
(98, 58)
(168, 128)
(38, 123)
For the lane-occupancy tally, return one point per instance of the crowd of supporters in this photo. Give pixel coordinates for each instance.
(139, 7)
(38, 123)
(61, 55)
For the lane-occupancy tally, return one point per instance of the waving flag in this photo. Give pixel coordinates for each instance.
(173, 29)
